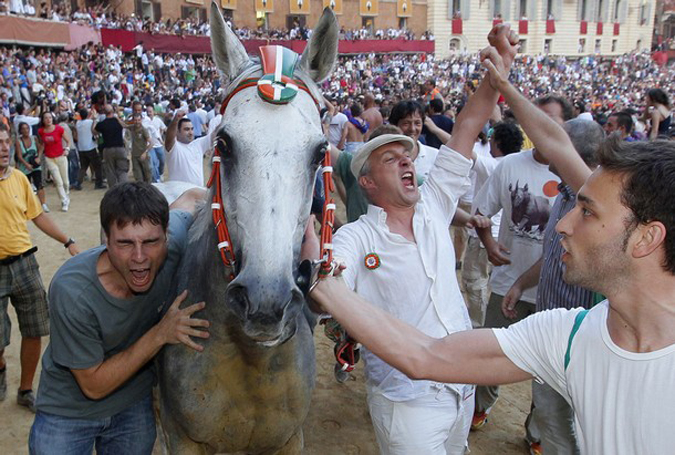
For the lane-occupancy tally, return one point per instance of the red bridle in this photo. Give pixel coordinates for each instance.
(328, 214)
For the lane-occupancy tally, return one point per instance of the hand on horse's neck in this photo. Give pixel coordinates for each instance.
(400, 221)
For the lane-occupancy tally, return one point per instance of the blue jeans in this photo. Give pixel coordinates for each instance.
(157, 162)
(130, 432)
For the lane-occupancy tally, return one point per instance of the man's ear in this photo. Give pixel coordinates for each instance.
(365, 182)
(652, 236)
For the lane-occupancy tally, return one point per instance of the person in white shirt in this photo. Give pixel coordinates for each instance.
(505, 139)
(156, 128)
(86, 147)
(400, 257)
(614, 364)
(184, 154)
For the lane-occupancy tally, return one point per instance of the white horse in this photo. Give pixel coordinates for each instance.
(249, 390)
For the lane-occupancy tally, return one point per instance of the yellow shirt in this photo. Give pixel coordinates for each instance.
(18, 204)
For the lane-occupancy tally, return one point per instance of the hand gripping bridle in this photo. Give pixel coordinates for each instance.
(277, 85)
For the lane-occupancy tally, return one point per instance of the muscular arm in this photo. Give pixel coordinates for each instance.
(655, 121)
(175, 327)
(472, 357)
(189, 201)
(548, 136)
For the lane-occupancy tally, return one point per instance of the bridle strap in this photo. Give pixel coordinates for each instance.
(281, 80)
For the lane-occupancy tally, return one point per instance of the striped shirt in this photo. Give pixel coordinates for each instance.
(552, 291)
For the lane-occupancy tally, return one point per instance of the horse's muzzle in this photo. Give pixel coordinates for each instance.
(267, 318)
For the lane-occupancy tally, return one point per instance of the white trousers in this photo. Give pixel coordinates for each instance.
(435, 424)
(58, 168)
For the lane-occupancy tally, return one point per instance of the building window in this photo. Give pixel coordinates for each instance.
(614, 44)
(549, 10)
(548, 45)
(522, 46)
(193, 12)
(639, 45)
(598, 46)
(584, 10)
(454, 45)
(617, 8)
(497, 12)
(456, 9)
(368, 23)
(582, 46)
(523, 9)
(403, 23)
(601, 7)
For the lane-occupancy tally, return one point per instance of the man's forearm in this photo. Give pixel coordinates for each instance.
(530, 277)
(47, 225)
(101, 381)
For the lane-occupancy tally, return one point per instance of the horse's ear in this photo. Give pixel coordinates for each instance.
(228, 52)
(321, 52)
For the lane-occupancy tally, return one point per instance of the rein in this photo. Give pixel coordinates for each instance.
(276, 86)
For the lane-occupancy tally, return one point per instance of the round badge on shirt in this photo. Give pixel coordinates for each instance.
(372, 261)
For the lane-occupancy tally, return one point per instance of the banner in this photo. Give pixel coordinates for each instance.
(335, 5)
(404, 8)
(264, 6)
(228, 4)
(369, 8)
(299, 6)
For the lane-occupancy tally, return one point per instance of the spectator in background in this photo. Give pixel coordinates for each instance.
(622, 124)
(196, 119)
(115, 159)
(86, 146)
(52, 141)
(140, 149)
(156, 128)
(436, 110)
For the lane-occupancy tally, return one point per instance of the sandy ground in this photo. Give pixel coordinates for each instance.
(338, 421)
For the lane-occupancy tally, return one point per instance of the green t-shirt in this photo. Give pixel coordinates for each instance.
(88, 326)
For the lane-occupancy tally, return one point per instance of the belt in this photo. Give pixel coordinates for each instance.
(12, 259)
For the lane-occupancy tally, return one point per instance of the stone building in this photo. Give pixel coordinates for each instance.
(563, 27)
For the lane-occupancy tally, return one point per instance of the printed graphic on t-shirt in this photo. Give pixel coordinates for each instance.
(529, 213)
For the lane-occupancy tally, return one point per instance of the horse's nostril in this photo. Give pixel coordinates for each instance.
(238, 298)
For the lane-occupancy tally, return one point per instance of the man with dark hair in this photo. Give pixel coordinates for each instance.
(622, 123)
(184, 153)
(431, 92)
(115, 159)
(436, 110)
(524, 188)
(20, 278)
(555, 106)
(408, 115)
(505, 139)
(110, 315)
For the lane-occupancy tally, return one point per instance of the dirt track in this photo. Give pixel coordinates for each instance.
(338, 422)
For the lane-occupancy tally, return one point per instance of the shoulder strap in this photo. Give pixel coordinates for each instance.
(575, 328)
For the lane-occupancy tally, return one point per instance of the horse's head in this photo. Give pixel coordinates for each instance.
(271, 145)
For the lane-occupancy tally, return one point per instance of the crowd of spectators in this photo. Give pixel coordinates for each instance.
(100, 16)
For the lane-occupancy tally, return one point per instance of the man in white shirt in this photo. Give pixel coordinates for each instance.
(400, 257)
(184, 154)
(615, 364)
(86, 147)
(156, 128)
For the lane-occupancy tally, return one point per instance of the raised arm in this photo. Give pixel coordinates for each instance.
(479, 108)
(549, 137)
(472, 357)
(172, 130)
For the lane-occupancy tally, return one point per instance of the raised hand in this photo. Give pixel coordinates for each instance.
(505, 40)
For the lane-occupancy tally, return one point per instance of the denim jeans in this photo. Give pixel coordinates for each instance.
(130, 432)
(157, 163)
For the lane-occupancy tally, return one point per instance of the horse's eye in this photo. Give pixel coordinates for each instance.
(221, 146)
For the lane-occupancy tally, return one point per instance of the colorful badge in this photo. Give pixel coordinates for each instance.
(372, 261)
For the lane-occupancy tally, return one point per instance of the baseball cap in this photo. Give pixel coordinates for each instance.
(369, 147)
